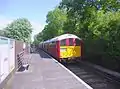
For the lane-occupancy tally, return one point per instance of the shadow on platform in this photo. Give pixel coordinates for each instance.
(43, 55)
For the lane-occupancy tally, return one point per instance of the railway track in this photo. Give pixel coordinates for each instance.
(94, 78)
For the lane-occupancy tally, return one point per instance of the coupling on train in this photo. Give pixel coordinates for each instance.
(66, 47)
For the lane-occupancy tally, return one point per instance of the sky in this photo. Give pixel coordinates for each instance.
(34, 10)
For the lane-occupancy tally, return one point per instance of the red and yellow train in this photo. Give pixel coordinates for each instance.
(67, 47)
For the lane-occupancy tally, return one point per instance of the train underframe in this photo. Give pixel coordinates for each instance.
(70, 59)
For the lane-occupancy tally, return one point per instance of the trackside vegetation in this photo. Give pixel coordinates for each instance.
(97, 22)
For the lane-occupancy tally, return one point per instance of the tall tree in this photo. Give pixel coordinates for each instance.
(19, 29)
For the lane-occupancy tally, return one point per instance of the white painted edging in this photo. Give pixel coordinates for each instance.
(81, 81)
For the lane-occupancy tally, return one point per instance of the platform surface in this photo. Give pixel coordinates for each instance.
(45, 73)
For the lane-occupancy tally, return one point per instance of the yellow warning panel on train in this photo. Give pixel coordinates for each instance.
(70, 51)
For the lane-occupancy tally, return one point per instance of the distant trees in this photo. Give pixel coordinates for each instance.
(19, 29)
(38, 38)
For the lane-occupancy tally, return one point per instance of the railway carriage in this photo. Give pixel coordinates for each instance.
(67, 47)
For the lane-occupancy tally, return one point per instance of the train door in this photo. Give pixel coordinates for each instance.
(58, 49)
(55, 49)
(71, 48)
(63, 48)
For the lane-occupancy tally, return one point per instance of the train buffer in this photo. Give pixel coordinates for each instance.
(45, 72)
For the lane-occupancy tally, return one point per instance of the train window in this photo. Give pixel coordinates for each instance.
(71, 42)
(50, 45)
(63, 42)
(53, 44)
(77, 42)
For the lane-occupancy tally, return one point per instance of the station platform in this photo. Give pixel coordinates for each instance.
(45, 73)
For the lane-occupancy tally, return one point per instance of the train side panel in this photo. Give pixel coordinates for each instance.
(54, 49)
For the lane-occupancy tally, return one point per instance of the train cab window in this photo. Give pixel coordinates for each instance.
(63, 42)
(71, 42)
(77, 42)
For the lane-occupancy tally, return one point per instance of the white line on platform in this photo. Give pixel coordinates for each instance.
(81, 81)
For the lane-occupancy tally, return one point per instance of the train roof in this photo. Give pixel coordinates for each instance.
(61, 37)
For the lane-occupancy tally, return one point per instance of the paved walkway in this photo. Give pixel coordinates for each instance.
(45, 73)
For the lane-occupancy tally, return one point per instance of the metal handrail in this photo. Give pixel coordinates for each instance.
(20, 59)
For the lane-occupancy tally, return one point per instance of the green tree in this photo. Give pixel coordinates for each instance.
(38, 38)
(97, 22)
(2, 33)
(19, 29)
(55, 22)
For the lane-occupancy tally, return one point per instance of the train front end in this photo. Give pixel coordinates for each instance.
(70, 49)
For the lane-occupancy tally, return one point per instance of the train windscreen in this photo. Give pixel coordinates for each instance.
(63, 42)
(77, 41)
